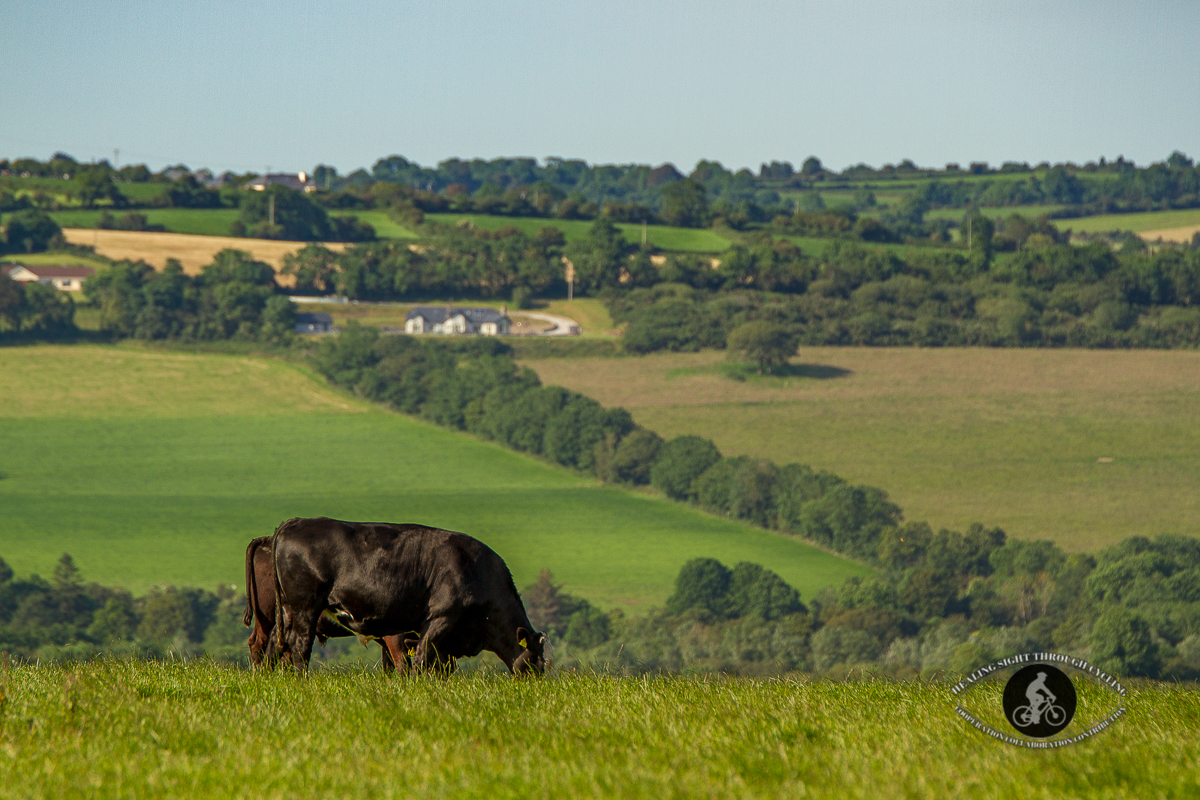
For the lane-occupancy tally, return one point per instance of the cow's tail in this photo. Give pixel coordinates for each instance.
(251, 587)
(280, 597)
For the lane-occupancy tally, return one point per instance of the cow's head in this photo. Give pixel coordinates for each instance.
(533, 654)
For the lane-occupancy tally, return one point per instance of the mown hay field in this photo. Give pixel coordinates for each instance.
(193, 252)
(114, 729)
(153, 467)
(1006, 437)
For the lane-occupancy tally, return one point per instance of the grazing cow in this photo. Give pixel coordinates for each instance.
(379, 580)
(260, 612)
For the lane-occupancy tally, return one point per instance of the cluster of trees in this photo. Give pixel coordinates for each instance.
(234, 297)
(1048, 294)
(30, 231)
(283, 213)
(451, 262)
(474, 385)
(33, 309)
(66, 618)
(940, 602)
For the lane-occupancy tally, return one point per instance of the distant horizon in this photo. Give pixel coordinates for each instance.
(542, 161)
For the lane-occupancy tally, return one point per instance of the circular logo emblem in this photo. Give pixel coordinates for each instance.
(1039, 700)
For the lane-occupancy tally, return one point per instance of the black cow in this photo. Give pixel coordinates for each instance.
(377, 579)
(260, 612)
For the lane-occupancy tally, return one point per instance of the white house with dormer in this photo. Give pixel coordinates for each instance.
(450, 320)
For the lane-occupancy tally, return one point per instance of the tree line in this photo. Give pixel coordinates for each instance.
(1049, 294)
(574, 189)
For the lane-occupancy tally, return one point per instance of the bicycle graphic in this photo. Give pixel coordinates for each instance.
(1041, 703)
(1025, 716)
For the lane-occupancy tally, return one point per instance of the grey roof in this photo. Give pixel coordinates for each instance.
(438, 314)
(314, 319)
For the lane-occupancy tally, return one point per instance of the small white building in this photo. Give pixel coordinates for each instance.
(66, 279)
(447, 319)
(300, 181)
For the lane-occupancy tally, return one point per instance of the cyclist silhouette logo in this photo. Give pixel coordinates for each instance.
(1039, 700)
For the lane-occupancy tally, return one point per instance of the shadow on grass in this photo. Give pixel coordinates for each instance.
(742, 372)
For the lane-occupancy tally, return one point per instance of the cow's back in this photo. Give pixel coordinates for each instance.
(391, 577)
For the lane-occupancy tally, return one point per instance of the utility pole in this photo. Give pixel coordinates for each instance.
(271, 210)
(643, 231)
(969, 221)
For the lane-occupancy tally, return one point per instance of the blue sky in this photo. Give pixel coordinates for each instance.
(245, 86)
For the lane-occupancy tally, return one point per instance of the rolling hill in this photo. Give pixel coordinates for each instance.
(154, 467)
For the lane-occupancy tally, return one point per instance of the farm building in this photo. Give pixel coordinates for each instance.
(67, 279)
(446, 319)
(314, 323)
(299, 181)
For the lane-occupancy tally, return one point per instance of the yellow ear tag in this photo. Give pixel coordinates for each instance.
(522, 643)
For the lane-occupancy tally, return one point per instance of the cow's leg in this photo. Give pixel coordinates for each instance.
(427, 649)
(299, 635)
(389, 660)
(257, 645)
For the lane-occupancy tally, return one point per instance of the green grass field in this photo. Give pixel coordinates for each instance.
(385, 227)
(115, 729)
(816, 247)
(1006, 437)
(52, 259)
(1029, 212)
(1138, 223)
(692, 240)
(154, 467)
(201, 221)
(59, 188)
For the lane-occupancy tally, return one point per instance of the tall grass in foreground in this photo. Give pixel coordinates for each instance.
(138, 729)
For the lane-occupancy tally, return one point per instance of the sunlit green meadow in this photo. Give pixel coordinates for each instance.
(117, 729)
(154, 467)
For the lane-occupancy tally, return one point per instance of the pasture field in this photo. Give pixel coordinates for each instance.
(664, 237)
(1002, 212)
(589, 312)
(153, 467)
(1141, 223)
(1006, 437)
(130, 729)
(60, 189)
(53, 260)
(385, 227)
(197, 221)
(193, 251)
(816, 246)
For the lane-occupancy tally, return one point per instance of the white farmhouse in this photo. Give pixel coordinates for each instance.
(65, 279)
(447, 319)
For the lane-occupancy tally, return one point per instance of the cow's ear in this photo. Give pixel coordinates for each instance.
(523, 637)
